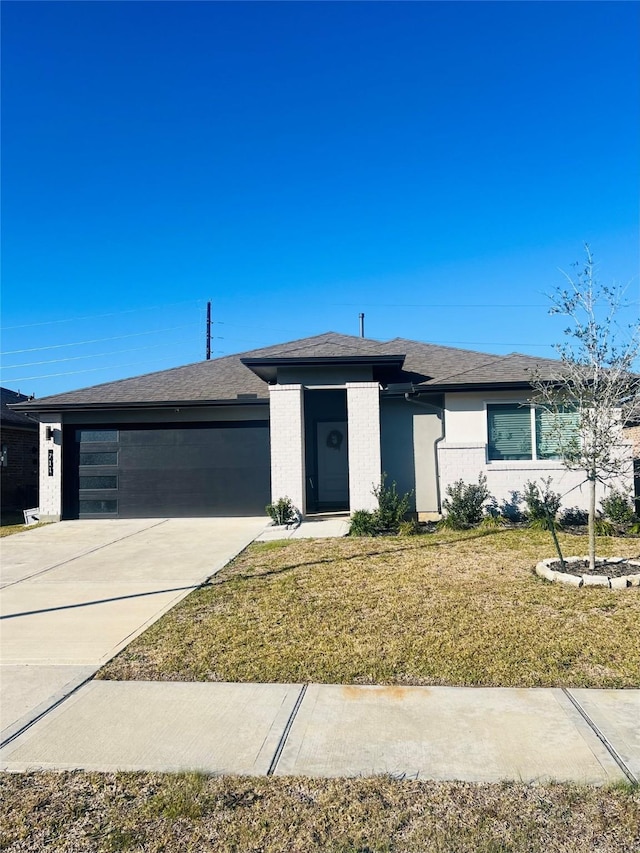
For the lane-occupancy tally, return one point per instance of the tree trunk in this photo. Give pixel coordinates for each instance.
(592, 525)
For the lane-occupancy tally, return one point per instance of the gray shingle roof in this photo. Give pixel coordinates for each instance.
(224, 379)
(10, 418)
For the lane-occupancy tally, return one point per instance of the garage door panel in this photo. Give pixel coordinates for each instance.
(199, 470)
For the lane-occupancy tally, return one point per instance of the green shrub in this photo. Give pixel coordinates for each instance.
(618, 508)
(409, 528)
(392, 507)
(364, 523)
(604, 527)
(542, 505)
(573, 516)
(282, 511)
(465, 502)
(493, 522)
(387, 518)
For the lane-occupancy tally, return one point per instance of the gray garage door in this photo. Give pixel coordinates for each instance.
(167, 470)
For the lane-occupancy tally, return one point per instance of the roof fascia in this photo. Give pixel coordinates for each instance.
(477, 386)
(158, 404)
(267, 368)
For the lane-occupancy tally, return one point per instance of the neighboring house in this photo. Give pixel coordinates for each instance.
(18, 456)
(316, 420)
(632, 434)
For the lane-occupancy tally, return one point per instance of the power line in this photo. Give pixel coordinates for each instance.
(80, 357)
(98, 340)
(364, 304)
(87, 370)
(98, 316)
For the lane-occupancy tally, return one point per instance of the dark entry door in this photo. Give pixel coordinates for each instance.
(177, 470)
(332, 464)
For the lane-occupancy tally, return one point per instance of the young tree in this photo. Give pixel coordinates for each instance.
(586, 406)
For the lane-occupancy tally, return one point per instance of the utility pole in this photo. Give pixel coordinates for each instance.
(361, 318)
(208, 331)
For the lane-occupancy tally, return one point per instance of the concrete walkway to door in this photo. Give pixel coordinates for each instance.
(75, 593)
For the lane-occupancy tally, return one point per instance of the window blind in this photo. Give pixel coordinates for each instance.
(509, 431)
(556, 432)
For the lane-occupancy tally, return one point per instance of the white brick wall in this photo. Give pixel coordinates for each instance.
(51, 484)
(363, 413)
(286, 405)
(465, 461)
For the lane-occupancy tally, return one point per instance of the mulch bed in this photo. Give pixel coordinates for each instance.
(617, 569)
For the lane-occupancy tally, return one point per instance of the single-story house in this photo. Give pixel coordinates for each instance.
(317, 420)
(18, 455)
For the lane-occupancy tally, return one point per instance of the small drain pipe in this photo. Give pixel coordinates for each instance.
(411, 397)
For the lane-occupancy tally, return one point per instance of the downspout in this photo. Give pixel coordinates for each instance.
(438, 410)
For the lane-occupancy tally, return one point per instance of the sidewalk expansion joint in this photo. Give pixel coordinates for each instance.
(285, 733)
(601, 737)
(84, 554)
(46, 711)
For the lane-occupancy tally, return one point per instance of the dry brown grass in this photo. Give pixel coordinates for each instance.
(103, 813)
(10, 529)
(448, 608)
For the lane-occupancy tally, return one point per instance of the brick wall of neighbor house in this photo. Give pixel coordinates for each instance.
(19, 476)
(632, 434)
(286, 408)
(50, 503)
(463, 456)
(363, 414)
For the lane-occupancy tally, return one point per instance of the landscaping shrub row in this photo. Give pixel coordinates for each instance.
(470, 505)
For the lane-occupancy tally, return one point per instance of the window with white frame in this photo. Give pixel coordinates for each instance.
(518, 431)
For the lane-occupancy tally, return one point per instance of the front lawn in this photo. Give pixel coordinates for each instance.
(103, 813)
(445, 608)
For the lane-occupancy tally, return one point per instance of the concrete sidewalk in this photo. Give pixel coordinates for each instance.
(471, 734)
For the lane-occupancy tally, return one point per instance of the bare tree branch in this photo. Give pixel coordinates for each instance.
(597, 390)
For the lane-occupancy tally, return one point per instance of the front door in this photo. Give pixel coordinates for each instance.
(333, 464)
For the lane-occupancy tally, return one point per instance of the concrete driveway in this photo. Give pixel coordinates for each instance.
(75, 593)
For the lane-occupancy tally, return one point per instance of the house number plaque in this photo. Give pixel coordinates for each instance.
(50, 463)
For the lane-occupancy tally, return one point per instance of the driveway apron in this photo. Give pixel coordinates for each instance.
(77, 592)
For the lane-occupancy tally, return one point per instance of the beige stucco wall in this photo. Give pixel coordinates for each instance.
(409, 435)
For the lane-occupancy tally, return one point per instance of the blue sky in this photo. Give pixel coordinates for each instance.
(430, 164)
